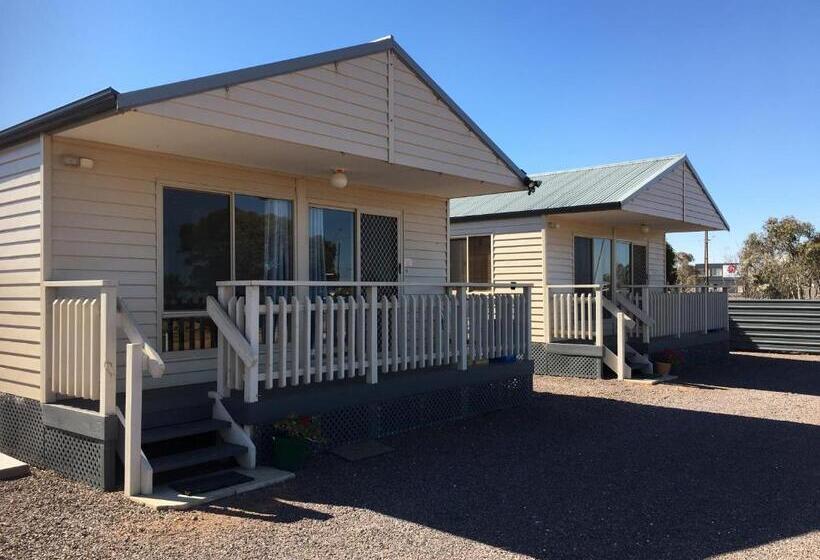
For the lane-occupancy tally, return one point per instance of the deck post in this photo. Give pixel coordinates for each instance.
(252, 335)
(133, 419)
(527, 342)
(372, 375)
(621, 345)
(462, 328)
(108, 350)
(645, 309)
(47, 338)
(547, 315)
(224, 294)
(599, 316)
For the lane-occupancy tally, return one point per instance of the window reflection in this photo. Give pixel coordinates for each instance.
(332, 248)
(196, 246)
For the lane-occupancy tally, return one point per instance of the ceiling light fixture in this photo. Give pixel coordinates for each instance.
(338, 179)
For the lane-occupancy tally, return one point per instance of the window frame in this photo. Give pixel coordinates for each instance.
(466, 239)
(612, 265)
(231, 193)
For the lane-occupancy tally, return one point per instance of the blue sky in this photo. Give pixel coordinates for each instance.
(734, 84)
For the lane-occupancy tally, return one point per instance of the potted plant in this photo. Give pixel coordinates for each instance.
(292, 441)
(666, 360)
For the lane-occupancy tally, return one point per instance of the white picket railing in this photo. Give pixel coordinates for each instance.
(80, 352)
(81, 361)
(573, 312)
(312, 340)
(680, 310)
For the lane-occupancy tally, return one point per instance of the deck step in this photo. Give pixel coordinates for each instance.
(164, 433)
(172, 417)
(194, 457)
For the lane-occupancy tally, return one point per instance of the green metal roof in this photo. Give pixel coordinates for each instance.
(599, 187)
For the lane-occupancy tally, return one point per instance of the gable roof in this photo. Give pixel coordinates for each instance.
(601, 187)
(109, 101)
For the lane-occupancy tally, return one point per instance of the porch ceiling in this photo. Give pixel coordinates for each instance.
(623, 218)
(148, 132)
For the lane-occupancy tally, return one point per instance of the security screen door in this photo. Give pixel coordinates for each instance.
(379, 246)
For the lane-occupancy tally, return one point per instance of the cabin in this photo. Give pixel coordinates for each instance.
(592, 242)
(184, 266)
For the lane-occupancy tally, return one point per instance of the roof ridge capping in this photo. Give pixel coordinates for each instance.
(672, 158)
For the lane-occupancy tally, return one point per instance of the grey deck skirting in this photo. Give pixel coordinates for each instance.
(87, 455)
(318, 398)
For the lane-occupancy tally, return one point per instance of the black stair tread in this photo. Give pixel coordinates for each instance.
(181, 415)
(164, 433)
(196, 457)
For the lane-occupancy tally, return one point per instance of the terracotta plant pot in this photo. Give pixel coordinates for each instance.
(663, 368)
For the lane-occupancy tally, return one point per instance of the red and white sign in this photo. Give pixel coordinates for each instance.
(730, 270)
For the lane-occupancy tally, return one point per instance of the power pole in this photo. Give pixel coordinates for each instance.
(706, 256)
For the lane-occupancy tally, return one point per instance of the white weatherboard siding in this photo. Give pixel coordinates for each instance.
(346, 107)
(666, 197)
(517, 256)
(561, 248)
(105, 225)
(518, 252)
(20, 265)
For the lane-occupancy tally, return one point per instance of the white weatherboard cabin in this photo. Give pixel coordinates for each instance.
(183, 266)
(592, 242)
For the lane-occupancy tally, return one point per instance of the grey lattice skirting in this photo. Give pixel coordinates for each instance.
(382, 419)
(24, 436)
(563, 365)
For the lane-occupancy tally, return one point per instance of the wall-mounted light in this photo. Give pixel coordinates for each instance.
(76, 161)
(553, 225)
(338, 179)
(644, 228)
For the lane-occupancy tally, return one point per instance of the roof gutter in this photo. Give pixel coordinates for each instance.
(537, 212)
(98, 104)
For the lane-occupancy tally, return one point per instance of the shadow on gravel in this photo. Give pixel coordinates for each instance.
(585, 477)
(766, 373)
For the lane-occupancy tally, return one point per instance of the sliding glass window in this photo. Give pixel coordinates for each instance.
(198, 252)
(196, 246)
(264, 240)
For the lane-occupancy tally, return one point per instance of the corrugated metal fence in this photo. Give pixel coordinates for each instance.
(775, 325)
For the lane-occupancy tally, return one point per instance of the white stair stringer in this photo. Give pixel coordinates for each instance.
(235, 434)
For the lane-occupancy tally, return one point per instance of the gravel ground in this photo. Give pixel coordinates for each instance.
(724, 463)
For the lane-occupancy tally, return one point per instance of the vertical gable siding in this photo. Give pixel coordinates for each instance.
(340, 107)
(666, 197)
(20, 249)
(428, 135)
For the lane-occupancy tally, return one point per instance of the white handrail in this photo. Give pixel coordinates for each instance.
(356, 284)
(233, 335)
(614, 309)
(156, 366)
(633, 310)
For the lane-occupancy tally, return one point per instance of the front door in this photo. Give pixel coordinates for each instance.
(379, 246)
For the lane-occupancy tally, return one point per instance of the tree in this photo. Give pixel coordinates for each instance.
(671, 277)
(685, 273)
(781, 261)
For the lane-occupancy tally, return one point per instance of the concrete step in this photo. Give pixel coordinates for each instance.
(196, 457)
(174, 431)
